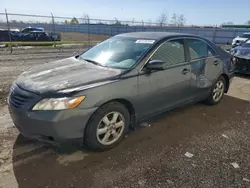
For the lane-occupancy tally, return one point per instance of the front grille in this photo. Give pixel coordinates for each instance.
(243, 64)
(20, 98)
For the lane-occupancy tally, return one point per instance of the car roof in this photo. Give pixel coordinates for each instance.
(153, 35)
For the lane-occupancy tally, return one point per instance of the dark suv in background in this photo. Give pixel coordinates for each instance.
(31, 34)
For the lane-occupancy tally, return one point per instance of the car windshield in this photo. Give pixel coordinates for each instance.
(246, 44)
(245, 35)
(117, 52)
(31, 29)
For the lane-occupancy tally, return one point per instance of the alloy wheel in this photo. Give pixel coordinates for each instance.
(218, 91)
(110, 128)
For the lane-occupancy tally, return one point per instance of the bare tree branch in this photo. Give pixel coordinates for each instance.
(181, 20)
(162, 20)
(174, 19)
(85, 19)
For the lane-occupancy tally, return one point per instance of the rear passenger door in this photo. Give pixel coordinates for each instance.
(205, 66)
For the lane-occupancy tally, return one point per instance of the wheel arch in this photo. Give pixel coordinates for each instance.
(226, 77)
(128, 104)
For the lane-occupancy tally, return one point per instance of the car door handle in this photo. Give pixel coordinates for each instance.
(185, 71)
(216, 62)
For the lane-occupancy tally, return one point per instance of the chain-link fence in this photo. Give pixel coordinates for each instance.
(33, 30)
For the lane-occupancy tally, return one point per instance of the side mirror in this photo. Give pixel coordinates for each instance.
(156, 65)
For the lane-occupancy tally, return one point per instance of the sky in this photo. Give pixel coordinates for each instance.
(197, 12)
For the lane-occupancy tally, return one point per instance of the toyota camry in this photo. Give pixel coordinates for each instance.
(95, 97)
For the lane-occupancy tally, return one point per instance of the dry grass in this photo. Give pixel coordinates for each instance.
(73, 36)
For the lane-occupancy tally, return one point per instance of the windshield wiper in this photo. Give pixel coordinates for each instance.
(93, 62)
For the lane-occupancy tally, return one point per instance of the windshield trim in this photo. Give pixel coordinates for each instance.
(91, 61)
(97, 64)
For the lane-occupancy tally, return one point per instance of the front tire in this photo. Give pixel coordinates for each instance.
(217, 91)
(107, 126)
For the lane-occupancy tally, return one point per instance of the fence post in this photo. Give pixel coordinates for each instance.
(214, 37)
(88, 32)
(99, 27)
(53, 22)
(8, 25)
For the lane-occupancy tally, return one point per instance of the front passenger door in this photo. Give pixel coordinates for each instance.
(164, 89)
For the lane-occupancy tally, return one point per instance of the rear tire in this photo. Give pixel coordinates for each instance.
(107, 126)
(217, 92)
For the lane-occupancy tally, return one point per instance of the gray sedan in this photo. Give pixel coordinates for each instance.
(96, 97)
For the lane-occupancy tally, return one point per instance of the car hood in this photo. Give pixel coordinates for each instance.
(63, 74)
(242, 51)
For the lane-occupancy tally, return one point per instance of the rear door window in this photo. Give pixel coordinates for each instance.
(199, 49)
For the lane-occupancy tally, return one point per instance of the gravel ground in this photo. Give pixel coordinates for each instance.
(24, 59)
(193, 146)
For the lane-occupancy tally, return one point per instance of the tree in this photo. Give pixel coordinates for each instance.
(66, 22)
(162, 19)
(174, 19)
(133, 21)
(74, 21)
(85, 19)
(248, 22)
(100, 23)
(13, 21)
(181, 20)
(117, 22)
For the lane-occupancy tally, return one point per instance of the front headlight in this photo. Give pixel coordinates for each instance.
(58, 103)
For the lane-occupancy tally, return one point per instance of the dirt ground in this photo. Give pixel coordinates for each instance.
(23, 59)
(194, 146)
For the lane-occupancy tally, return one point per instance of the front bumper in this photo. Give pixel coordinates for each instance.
(242, 65)
(55, 127)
